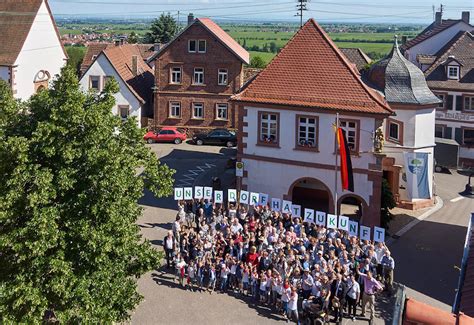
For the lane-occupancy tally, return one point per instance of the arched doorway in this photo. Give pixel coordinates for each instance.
(352, 206)
(311, 193)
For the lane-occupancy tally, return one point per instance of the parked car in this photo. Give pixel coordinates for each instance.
(221, 137)
(167, 134)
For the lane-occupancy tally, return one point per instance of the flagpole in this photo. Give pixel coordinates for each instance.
(336, 163)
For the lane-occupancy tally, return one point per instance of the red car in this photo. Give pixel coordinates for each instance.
(168, 134)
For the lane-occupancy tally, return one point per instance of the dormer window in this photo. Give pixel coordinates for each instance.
(453, 72)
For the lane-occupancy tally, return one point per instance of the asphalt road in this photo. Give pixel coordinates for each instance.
(428, 256)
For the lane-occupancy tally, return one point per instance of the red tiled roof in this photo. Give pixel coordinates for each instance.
(225, 38)
(311, 71)
(94, 49)
(121, 59)
(219, 33)
(430, 31)
(16, 19)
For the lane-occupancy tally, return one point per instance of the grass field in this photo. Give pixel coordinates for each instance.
(266, 40)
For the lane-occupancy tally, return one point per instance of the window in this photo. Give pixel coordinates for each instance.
(468, 137)
(198, 110)
(198, 78)
(352, 133)
(307, 131)
(221, 112)
(439, 131)
(268, 129)
(94, 57)
(442, 97)
(94, 83)
(202, 46)
(222, 77)
(124, 111)
(175, 109)
(393, 131)
(453, 72)
(176, 73)
(192, 46)
(469, 103)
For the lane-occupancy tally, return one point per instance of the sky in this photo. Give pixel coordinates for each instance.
(389, 11)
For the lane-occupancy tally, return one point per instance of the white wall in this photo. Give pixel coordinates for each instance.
(276, 178)
(433, 44)
(102, 67)
(418, 136)
(5, 73)
(41, 51)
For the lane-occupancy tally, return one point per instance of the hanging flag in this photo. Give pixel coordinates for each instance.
(347, 177)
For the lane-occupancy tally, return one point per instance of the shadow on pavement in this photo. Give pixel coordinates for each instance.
(162, 277)
(426, 259)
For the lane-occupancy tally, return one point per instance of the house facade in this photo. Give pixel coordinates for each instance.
(31, 53)
(125, 64)
(451, 77)
(287, 116)
(411, 130)
(422, 49)
(195, 76)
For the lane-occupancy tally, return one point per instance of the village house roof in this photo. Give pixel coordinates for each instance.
(141, 84)
(356, 56)
(16, 19)
(93, 50)
(430, 31)
(310, 71)
(219, 33)
(459, 49)
(400, 80)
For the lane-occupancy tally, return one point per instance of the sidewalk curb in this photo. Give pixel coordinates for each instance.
(438, 206)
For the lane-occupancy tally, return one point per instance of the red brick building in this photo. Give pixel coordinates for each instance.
(195, 76)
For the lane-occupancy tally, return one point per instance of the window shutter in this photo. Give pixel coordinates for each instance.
(458, 135)
(449, 103)
(448, 132)
(458, 103)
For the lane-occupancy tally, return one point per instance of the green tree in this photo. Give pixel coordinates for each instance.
(388, 202)
(163, 30)
(273, 47)
(133, 38)
(75, 56)
(69, 243)
(257, 62)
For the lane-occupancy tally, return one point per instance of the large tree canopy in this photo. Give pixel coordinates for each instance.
(69, 191)
(162, 29)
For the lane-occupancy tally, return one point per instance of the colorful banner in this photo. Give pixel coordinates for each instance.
(416, 170)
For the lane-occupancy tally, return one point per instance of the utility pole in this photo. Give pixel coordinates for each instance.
(301, 6)
(434, 12)
(179, 23)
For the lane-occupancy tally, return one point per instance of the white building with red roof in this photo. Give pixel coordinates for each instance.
(287, 117)
(125, 64)
(31, 53)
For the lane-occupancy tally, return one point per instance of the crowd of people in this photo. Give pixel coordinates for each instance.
(298, 269)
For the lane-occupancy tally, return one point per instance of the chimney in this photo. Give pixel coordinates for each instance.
(439, 18)
(135, 65)
(404, 39)
(465, 16)
(190, 19)
(156, 47)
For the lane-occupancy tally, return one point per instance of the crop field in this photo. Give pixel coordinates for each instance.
(265, 40)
